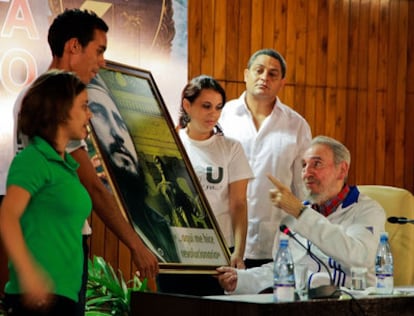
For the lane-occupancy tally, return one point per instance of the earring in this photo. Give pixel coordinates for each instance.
(187, 118)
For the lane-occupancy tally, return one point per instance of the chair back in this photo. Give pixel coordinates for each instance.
(400, 203)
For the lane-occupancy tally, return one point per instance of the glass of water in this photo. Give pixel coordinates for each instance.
(359, 278)
(301, 280)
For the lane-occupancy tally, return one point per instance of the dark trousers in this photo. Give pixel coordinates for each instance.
(60, 305)
(80, 306)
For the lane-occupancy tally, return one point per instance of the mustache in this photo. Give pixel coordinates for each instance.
(117, 148)
(310, 179)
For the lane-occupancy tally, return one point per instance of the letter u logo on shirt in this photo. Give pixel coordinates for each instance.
(210, 177)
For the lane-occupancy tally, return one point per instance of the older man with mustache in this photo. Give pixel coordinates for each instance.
(338, 224)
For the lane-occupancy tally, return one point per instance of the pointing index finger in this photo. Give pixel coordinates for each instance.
(277, 183)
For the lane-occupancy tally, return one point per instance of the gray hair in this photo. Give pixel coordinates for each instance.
(340, 152)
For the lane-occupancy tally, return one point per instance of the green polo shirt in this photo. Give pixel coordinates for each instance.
(53, 220)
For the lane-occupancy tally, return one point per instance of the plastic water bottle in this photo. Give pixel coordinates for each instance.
(283, 274)
(384, 267)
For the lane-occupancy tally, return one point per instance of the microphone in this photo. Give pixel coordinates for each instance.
(400, 220)
(322, 291)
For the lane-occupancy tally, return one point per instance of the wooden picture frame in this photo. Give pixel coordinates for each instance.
(146, 167)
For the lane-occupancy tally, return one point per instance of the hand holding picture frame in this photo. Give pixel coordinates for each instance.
(149, 172)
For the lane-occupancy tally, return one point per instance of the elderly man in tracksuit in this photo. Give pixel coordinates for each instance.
(339, 224)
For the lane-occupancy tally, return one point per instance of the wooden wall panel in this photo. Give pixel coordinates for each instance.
(195, 14)
(219, 70)
(256, 14)
(279, 21)
(318, 125)
(400, 102)
(207, 37)
(350, 74)
(268, 15)
(231, 27)
(349, 71)
(381, 86)
(243, 38)
(361, 161)
(409, 110)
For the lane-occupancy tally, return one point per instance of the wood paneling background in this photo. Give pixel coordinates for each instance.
(350, 70)
(350, 74)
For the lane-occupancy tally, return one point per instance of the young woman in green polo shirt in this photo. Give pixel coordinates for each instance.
(45, 205)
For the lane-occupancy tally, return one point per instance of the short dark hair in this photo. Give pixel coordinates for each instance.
(73, 23)
(272, 53)
(193, 89)
(47, 103)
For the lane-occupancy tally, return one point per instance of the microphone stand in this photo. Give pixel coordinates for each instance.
(322, 291)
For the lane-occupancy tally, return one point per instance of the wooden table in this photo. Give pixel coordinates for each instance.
(261, 304)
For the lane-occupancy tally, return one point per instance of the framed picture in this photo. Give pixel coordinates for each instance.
(147, 169)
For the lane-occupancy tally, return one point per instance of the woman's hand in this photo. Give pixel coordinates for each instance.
(36, 288)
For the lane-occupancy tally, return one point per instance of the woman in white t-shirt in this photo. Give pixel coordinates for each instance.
(219, 162)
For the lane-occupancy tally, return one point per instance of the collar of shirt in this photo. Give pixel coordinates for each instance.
(51, 154)
(330, 206)
(244, 108)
